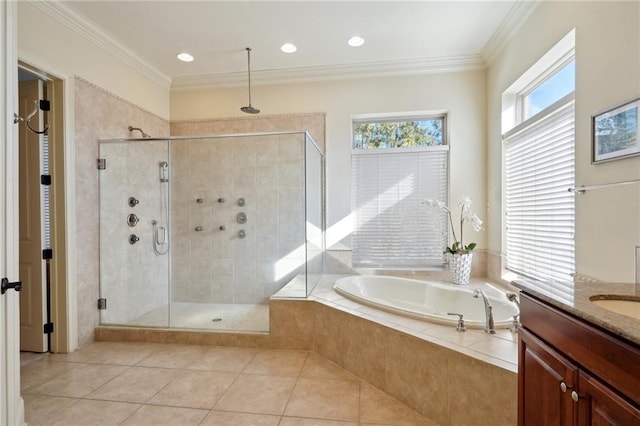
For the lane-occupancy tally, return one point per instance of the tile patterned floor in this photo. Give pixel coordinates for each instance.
(115, 383)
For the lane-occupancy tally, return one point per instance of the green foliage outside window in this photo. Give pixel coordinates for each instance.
(398, 134)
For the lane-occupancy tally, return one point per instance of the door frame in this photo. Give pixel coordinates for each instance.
(61, 146)
(60, 91)
(11, 403)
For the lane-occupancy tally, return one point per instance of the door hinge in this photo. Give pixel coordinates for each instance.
(48, 328)
(45, 105)
(102, 163)
(102, 303)
(47, 254)
(45, 179)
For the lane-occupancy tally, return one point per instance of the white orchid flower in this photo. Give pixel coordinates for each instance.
(476, 222)
(465, 204)
(465, 216)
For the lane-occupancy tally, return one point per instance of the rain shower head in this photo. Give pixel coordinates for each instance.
(249, 109)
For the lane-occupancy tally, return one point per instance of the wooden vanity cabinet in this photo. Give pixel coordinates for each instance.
(572, 373)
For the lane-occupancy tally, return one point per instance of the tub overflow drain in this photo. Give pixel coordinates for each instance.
(216, 319)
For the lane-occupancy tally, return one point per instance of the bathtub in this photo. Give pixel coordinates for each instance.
(428, 300)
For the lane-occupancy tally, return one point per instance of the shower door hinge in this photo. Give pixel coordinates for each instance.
(102, 303)
(47, 254)
(102, 163)
(45, 179)
(48, 328)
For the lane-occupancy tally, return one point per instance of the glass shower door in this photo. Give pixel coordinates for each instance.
(134, 233)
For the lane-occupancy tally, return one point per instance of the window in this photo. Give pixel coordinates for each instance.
(396, 165)
(559, 84)
(539, 167)
(398, 134)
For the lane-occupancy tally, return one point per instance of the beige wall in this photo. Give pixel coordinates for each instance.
(461, 95)
(98, 115)
(607, 74)
(48, 44)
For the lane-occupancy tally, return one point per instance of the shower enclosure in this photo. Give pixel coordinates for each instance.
(200, 232)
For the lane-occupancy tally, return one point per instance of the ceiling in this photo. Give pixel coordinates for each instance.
(401, 37)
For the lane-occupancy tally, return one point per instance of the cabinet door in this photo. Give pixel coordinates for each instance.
(545, 382)
(598, 405)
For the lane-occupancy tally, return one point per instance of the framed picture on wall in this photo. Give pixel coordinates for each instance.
(615, 133)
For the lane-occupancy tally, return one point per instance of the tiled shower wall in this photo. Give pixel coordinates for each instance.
(134, 279)
(272, 260)
(211, 262)
(98, 115)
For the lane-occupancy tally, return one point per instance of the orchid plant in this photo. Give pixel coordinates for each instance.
(466, 215)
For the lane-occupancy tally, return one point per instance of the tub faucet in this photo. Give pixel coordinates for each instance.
(515, 324)
(488, 310)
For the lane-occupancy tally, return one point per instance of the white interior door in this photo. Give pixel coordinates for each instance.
(32, 267)
(11, 404)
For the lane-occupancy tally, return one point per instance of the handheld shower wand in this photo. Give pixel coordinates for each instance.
(164, 172)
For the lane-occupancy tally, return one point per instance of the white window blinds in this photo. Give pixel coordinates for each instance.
(393, 229)
(540, 213)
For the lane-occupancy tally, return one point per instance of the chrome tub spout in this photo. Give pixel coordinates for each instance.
(488, 310)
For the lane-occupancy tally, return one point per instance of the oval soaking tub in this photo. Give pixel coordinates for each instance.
(428, 300)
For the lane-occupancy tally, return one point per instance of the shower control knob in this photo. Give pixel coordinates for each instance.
(242, 233)
(133, 201)
(241, 217)
(133, 238)
(132, 220)
(241, 202)
(198, 228)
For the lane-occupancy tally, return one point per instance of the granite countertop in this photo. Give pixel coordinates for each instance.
(578, 303)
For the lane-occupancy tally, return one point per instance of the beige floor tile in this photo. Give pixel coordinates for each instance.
(124, 353)
(257, 394)
(39, 409)
(171, 416)
(224, 418)
(86, 412)
(194, 389)
(277, 363)
(224, 359)
(39, 372)
(137, 384)
(325, 399)
(29, 357)
(300, 421)
(378, 407)
(79, 382)
(173, 356)
(318, 367)
(85, 353)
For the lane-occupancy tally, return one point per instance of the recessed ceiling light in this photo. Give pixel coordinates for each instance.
(288, 48)
(185, 57)
(355, 41)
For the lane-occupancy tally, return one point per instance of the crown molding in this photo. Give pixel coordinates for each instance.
(403, 67)
(516, 16)
(79, 24)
